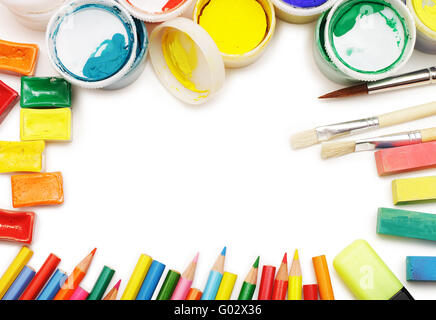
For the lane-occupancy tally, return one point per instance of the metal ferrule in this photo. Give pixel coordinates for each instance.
(394, 140)
(328, 132)
(413, 79)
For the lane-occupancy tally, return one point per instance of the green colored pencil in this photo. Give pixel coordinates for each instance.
(168, 286)
(101, 284)
(249, 285)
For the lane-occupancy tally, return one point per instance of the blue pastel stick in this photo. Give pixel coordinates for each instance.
(151, 280)
(20, 284)
(53, 285)
(212, 285)
(421, 268)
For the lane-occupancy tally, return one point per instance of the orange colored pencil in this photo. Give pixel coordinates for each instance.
(281, 282)
(194, 294)
(112, 295)
(75, 278)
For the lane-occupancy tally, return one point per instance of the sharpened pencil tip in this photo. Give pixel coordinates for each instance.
(296, 255)
(256, 263)
(223, 253)
(93, 252)
(117, 285)
(196, 257)
(285, 258)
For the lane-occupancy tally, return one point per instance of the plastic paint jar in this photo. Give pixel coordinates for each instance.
(424, 13)
(301, 11)
(242, 29)
(33, 14)
(369, 40)
(156, 10)
(90, 56)
(140, 59)
(323, 61)
(186, 60)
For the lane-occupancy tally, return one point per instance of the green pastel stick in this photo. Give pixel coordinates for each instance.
(168, 286)
(404, 223)
(101, 284)
(49, 92)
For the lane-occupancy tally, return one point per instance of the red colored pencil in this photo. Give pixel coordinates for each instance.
(112, 295)
(310, 291)
(73, 281)
(266, 283)
(41, 277)
(281, 281)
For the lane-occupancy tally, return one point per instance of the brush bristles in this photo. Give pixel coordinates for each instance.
(304, 139)
(337, 149)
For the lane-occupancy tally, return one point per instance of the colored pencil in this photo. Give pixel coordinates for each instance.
(20, 283)
(74, 279)
(266, 283)
(310, 291)
(323, 278)
(168, 286)
(281, 281)
(14, 269)
(185, 282)
(215, 276)
(79, 294)
(53, 285)
(137, 277)
(249, 286)
(151, 281)
(112, 294)
(295, 285)
(41, 278)
(101, 284)
(194, 294)
(226, 286)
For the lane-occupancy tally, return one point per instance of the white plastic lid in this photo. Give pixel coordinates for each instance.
(32, 6)
(181, 39)
(409, 30)
(156, 10)
(90, 56)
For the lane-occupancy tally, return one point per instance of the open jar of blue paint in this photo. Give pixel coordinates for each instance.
(92, 43)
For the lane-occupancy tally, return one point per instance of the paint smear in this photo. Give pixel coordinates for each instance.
(305, 3)
(156, 6)
(237, 26)
(426, 12)
(181, 56)
(369, 37)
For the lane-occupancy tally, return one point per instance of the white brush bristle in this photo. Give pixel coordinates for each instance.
(337, 149)
(304, 139)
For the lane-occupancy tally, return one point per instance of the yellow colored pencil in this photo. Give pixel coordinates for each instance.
(14, 269)
(226, 286)
(137, 278)
(295, 281)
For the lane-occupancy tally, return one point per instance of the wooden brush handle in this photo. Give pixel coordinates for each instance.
(408, 114)
(428, 134)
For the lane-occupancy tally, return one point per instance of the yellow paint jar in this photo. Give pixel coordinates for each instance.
(424, 13)
(186, 60)
(242, 29)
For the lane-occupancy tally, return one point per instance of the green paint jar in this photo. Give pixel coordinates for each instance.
(368, 40)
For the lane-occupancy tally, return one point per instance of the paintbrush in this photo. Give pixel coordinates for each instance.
(325, 133)
(408, 80)
(341, 148)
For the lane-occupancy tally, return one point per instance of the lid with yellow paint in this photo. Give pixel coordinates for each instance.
(424, 13)
(186, 60)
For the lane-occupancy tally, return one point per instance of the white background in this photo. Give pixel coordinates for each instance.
(146, 173)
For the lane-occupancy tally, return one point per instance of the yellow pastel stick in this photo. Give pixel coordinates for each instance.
(226, 287)
(414, 190)
(21, 156)
(137, 277)
(45, 124)
(14, 269)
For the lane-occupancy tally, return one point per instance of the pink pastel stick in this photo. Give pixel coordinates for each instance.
(182, 289)
(79, 294)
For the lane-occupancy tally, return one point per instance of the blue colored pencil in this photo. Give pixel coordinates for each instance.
(20, 284)
(53, 285)
(215, 276)
(151, 281)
